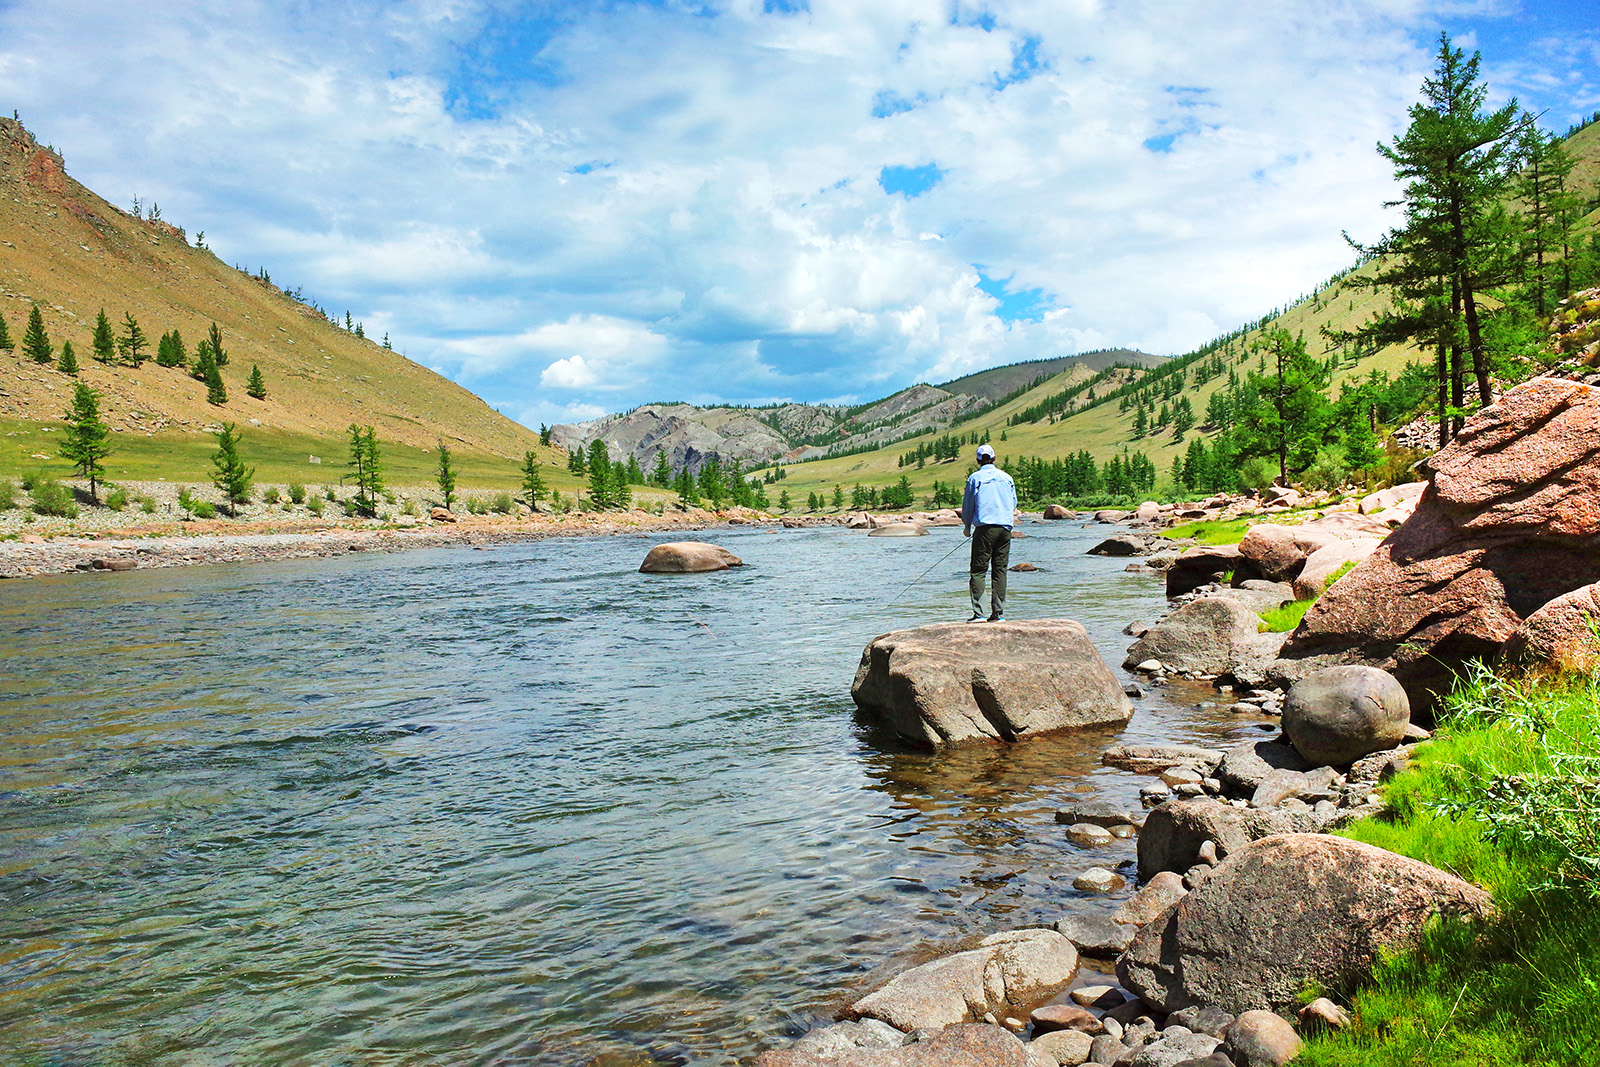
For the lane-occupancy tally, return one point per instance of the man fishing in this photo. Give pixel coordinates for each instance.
(989, 504)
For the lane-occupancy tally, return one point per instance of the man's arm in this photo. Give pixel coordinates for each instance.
(969, 508)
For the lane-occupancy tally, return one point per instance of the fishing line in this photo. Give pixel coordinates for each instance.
(924, 574)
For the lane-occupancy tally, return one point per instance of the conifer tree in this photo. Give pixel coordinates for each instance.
(230, 475)
(783, 500)
(35, 342)
(6, 344)
(688, 489)
(635, 476)
(170, 351)
(662, 474)
(133, 342)
(544, 435)
(367, 462)
(216, 392)
(838, 496)
(68, 363)
(256, 386)
(204, 361)
(712, 486)
(88, 439)
(218, 353)
(532, 480)
(1286, 422)
(104, 345)
(600, 474)
(446, 476)
(1547, 204)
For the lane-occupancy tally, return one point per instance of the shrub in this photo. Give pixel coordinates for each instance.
(389, 497)
(186, 499)
(410, 508)
(476, 506)
(502, 503)
(204, 509)
(30, 479)
(117, 499)
(147, 504)
(8, 495)
(271, 496)
(297, 492)
(1257, 473)
(315, 506)
(330, 494)
(50, 497)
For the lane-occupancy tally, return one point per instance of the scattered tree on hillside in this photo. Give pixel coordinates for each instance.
(230, 475)
(367, 463)
(712, 486)
(783, 500)
(661, 475)
(601, 480)
(35, 342)
(204, 361)
(544, 435)
(171, 351)
(104, 345)
(218, 353)
(687, 488)
(1287, 420)
(532, 480)
(446, 476)
(216, 392)
(68, 364)
(838, 496)
(132, 343)
(6, 344)
(256, 386)
(88, 440)
(1549, 204)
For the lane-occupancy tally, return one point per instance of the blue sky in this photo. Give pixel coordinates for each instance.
(573, 208)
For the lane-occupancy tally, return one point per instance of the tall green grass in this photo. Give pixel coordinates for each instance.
(1504, 797)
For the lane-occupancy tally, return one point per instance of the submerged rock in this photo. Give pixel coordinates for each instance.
(898, 529)
(688, 557)
(1001, 681)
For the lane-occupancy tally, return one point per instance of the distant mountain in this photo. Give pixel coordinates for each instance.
(792, 432)
(70, 253)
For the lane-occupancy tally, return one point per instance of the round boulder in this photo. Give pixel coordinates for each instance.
(1056, 511)
(1339, 714)
(688, 557)
(898, 529)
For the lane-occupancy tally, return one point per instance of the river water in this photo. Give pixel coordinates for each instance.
(520, 805)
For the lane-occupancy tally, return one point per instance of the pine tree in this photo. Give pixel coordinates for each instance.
(783, 500)
(532, 480)
(838, 496)
(216, 392)
(367, 463)
(104, 345)
(6, 344)
(132, 343)
(712, 486)
(218, 353)
(35, 342)
(230, 475)
(88, 440)
(68, 363)
(661, 475)
(204, 361)
(688, 490)
(446, 476)
(600, 475)
(544, 435)
(1287, 420)
(171, 352)
(256, 386)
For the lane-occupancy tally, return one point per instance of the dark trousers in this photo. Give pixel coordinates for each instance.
(991, 551)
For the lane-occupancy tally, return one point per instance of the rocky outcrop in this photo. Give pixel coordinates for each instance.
(1204, 565)
(958, 1046)
(1339, 714)
(1285, 912)
(1319, 568)
(1394, 505)
(1002, 681)
(1280, 552)
(1009, 973)
(1509, 522)
(1204, 636)
(688, 557)
(1564, 635)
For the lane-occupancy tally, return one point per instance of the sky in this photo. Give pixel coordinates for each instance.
(576, 208)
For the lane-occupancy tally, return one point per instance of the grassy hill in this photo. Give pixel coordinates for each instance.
(996, 382)
(71, 253)
(1341, 304)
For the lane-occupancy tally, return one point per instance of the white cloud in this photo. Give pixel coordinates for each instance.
(632, 203)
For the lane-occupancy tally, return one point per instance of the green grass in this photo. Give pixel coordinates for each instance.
(1212, 531)
(1282, 620)
(1525, 989)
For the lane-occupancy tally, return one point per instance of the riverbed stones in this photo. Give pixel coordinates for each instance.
(1051, 1017)
(898, 529)
(1066, 1048)
(688, 557)
(1153, 759)
(1339, 714)
(975, 1045)
(1099, 880)
(1121, 545)
(1098, 812)
(850, 1036)
(1088, 835)
(1173, 1047)
(1323, 1014)
(1096, 936)
(1284, 912)
(951, 682)
(1162, 890)
(1008, 972)
(1201, 637)
(1244, 767)
(116, 563)
(1174, 831)
(1507, 524)
(1261, 1039)
(1203, 565)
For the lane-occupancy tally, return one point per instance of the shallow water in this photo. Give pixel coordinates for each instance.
(517, 806)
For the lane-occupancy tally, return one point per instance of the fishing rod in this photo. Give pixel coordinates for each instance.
(923, 575)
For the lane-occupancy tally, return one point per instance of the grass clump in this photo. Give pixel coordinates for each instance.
(501, 504)
(315, 506)
(1507, 796)
(117, 499)
(8, 494)
(1213, 531)
(50, 497)
(1283, 619)
(297, 493)
(271, 495)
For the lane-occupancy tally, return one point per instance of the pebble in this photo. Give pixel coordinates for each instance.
(1098, 996)
(1099, 880)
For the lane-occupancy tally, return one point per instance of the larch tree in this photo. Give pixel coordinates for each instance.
(366, 463)
(35, 342)
(88, 439)
(256, 386)
(601, 476)
(230, 475)
(445, 475)
(218, 353)
(104, 344)
(1287, 420)
(133, 342)
(532, 480)
(68, 363)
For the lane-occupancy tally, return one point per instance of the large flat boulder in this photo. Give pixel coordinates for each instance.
(1564, 635)
(958, 1046)
(688, 557)
(1007, 974)
(1510, 521)
(1285, 912)
(1000, 681)
(1204, 636)
(1281, 552)
(1399, 496)
(1316, 574)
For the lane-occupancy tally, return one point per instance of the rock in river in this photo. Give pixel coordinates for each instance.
(953, 682)
(1283, 913)
(688, 557)
(958, 1046)
(1339, 714)
(899, 529)
(1205, 636)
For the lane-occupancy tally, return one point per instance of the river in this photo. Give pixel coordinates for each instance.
(516, 805)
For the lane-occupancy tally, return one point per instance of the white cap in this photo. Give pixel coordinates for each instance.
(985, 452)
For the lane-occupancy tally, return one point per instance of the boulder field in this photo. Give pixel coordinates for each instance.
(1508, 523)
(949, 682)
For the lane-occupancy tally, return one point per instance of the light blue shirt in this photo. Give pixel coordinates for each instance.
(990, 498)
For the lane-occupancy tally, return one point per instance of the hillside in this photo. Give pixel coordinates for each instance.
(72, 253)
(1104, 430)
(997, 382)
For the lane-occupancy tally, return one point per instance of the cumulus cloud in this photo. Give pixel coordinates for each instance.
(570, 207)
